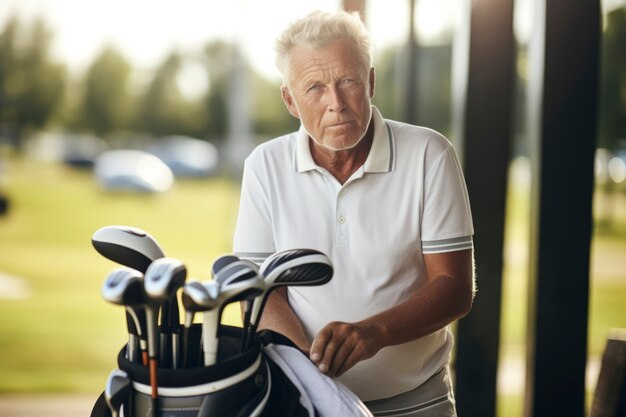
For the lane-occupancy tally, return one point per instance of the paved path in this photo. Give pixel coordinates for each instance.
(46, 405)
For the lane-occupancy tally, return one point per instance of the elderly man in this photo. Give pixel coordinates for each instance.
(386, 201)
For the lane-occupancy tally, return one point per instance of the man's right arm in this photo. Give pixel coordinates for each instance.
(279, 317)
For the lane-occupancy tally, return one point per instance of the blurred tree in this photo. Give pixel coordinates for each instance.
(267, 111)
(32, 84)
(8, 68)
(219, 60)
(434, 74)
(271, 117)
(612, 105)
(7, 61)
(163, 110)
(435, 87)
(388, 91)
(107, 102)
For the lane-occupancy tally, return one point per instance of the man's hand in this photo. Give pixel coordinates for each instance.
(339, 346)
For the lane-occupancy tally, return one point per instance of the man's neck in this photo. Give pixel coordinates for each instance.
(342, 164)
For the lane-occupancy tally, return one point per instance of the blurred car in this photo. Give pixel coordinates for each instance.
(132, 170)
(82, 150)
(186, 156)
(78, 150)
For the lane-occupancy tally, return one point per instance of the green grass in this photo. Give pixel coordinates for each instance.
(65, 338)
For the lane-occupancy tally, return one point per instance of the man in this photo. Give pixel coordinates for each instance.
(386, 201)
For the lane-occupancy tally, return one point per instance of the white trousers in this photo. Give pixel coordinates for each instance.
(434, 398)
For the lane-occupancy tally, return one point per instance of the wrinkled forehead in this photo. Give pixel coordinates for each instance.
(337, 58)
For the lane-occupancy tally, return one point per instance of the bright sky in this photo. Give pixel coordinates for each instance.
(147, 30)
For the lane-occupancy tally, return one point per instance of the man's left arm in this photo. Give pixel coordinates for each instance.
(446, 295)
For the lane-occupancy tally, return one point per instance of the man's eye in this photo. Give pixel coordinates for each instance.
(314, 87)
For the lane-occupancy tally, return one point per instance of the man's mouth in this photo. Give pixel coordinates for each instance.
(340, 124)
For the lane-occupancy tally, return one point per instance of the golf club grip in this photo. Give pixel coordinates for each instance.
(154, 383)
(210, 325)
(153, 332)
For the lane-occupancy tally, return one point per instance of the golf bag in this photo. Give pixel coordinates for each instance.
(239, 384)
(225, 371)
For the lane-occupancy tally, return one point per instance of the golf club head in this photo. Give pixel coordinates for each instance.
(238, 289)
(230, 291)
(123, 286)
(221, 262)
(240, 270)
(240, 281)
(163, 277)
(128, 246)
(117, 390)
(292, 267)
(297, 267)
(199, 296)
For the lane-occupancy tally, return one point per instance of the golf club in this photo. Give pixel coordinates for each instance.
(221, 262)
(117, 391)
(237, 283)
(241, 270)
(124, 286)
(230, 292)
(163, 277)
(198, 297)
(128, 246)
(293, 267)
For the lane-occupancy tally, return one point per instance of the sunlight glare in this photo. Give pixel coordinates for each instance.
(192, 79)
(617, 170)
(435, 19)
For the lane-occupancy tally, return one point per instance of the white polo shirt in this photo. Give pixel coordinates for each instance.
(408, 199)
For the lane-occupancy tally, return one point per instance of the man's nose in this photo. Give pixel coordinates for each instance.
(336, 99)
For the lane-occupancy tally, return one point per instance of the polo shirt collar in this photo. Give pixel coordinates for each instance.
(380, 159)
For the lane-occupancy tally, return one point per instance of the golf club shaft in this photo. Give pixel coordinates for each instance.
(210, 342)
(154, 384)
(186, 329)
(258, 305)
(153, 354)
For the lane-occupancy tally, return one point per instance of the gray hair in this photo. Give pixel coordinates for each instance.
(318, 29)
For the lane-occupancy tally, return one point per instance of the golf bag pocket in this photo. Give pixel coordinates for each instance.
(237, 385)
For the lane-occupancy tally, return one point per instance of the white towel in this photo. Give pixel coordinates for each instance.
(329, 397)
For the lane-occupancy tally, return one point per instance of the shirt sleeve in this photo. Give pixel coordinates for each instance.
(447, 219)
(253, 237)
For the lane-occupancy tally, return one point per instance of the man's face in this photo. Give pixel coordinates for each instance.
(330, 94)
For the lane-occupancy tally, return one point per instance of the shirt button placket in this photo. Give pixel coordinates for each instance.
(341, 236)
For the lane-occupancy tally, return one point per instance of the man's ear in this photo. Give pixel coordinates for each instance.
(288, 100)
(372, 82)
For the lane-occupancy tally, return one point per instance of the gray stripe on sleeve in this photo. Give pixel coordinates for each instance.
(447, 245)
